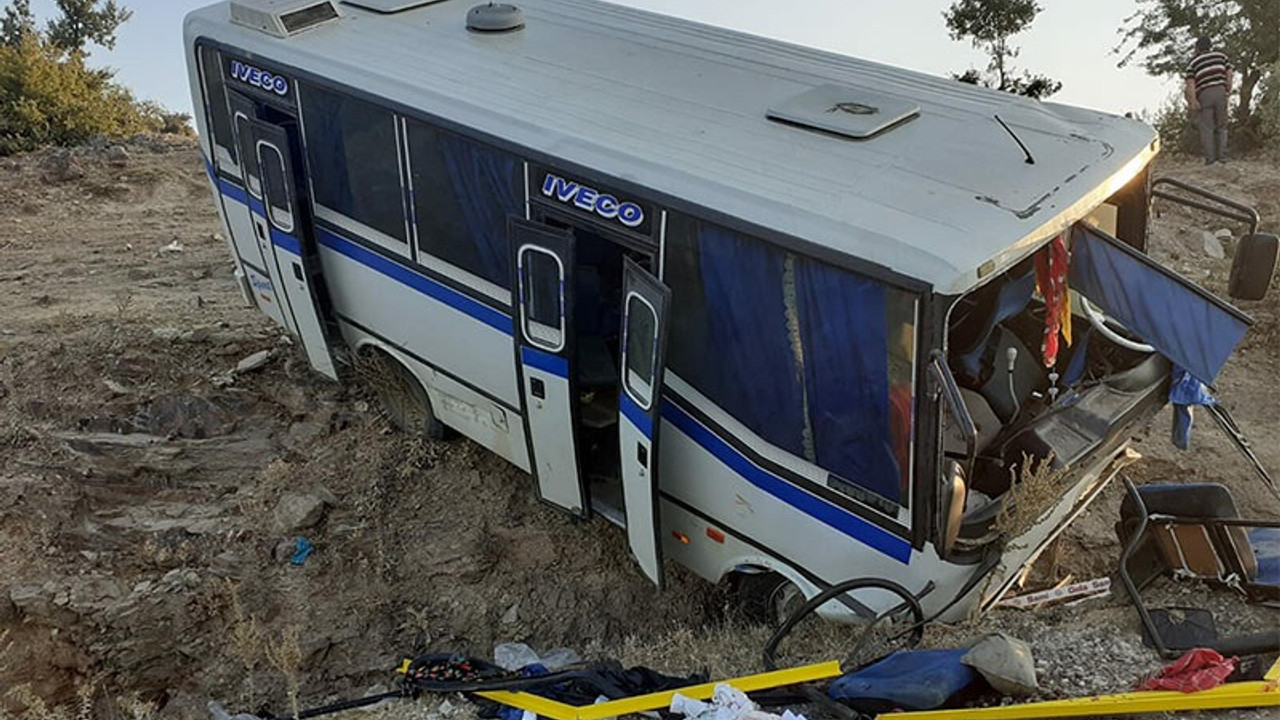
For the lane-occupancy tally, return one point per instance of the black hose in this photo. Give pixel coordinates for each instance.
(817, 601)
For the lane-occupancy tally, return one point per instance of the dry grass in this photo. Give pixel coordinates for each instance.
(284, 652)
(1035, 487)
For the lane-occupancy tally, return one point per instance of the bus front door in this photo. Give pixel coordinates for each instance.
(542, 260)
(284, 234)
(644, 341)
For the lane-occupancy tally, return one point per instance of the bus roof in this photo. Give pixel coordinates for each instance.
(681, 108)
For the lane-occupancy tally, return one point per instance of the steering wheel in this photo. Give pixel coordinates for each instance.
(1102, 324)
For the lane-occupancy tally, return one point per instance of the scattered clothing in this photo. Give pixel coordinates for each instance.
(302, 549)
(727, 703)
(906, 680)
(1198, 670)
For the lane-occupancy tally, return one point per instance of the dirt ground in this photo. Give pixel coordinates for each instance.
(152, 495)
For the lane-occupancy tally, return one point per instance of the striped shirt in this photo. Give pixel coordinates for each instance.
(1209, 70)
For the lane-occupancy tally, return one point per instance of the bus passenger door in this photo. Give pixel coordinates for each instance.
(543, 259)
(282, 224)
(255, 251)
(644, 344)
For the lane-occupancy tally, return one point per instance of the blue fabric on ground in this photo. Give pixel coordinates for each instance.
(908, 679)
(1266, 548)
(1157, 305)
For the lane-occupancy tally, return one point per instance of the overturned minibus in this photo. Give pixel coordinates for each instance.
(788, 317)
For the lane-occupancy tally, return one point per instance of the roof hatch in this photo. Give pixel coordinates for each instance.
(845, 111)
(282, 18)
(388, 7)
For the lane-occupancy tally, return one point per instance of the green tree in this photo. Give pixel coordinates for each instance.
(83, 21)
(17, 22)
(1162, 33)
(50, 98)
(989, 24)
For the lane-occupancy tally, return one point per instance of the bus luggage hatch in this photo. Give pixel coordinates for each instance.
(644, 342)
(544, 339)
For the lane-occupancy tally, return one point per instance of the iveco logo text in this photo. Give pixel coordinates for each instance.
(592, 200)
(260, 78)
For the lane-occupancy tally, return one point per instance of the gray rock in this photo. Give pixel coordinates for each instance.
(1006, 663)
(254, 361)
(299, 511)
(117, 155)
(1213, 247)
(1223, 234)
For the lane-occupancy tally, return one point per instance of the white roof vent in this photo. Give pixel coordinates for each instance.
(495, 18)
(282, 18)
(844, 111)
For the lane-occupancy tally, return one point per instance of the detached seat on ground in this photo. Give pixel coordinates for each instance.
(1195, 531)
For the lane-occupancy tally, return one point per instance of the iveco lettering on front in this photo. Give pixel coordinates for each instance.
(592, 200)
(251, 75)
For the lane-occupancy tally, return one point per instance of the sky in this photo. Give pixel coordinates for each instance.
(1070, 40)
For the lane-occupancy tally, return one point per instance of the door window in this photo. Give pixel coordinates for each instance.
(642, 340)
(244, 138)
(542, 290)
(278, 200)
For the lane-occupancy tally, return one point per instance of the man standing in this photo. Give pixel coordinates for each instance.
(1209, 79)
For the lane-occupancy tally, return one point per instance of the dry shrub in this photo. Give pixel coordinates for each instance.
(1035, 487)
(285, 655)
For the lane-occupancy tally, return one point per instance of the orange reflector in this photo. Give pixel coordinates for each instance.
(684, 539)
(715, 534)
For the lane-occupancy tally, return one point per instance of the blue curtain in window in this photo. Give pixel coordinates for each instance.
(845, 334)
(486, 184)
(752, 373)
(327, 149)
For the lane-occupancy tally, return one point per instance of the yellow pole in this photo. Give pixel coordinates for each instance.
(655, 701)
(1223, 697)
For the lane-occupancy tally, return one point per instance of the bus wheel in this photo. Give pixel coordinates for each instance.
(402, 396)
(766, 598)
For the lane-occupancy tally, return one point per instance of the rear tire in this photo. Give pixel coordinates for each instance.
(403, 398)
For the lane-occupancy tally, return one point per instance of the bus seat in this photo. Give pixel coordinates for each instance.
(1012, 299)
(1190, 544)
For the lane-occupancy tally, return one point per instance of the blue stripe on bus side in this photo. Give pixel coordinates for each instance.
(284, 241)
(411, 279)
(842, 520)
(638, 417)
(545, 361)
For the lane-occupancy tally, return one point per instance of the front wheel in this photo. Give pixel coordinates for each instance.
(766, 598)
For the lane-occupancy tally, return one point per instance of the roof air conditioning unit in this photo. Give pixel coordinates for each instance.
(283, 18)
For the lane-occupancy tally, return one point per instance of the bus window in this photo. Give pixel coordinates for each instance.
(542, 286)
(279, 201)
(463, 192)
(355, 167)
(642, 333)
(814, 359)
(215, 98)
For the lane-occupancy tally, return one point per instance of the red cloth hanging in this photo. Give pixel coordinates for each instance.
(1052, 264)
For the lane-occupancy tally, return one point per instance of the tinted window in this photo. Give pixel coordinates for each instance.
(642, 340)
(542, 282)
(816, 360)
(463, 193)
(216, 100)
(279, 199)
(355, 167)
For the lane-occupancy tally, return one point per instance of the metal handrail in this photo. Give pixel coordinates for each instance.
(1242, 213)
